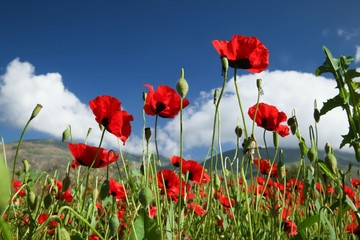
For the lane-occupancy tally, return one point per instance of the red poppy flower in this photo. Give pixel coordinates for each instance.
(198, 210)
(244, 53)
(152, 211)
(355, 182)
(225, 201)
(17, 184)
(269, 118)
(85, 155)
(290, 228)
(93, 237)
(169, 181)
(351, 193)
(108, 113)
(195, 169)
(164, 102)
(116, 189)
(264, 166)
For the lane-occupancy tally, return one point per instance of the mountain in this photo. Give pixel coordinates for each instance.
(291, 158)
(48, 155)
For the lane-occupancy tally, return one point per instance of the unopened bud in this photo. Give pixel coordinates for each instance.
(104, 190)
(316, 113)
(328, 148)
(66, 183)
(146, 197)
(31, 199)
(291, 121)
(259, 84)
(225, 65)
(144, 96)
(216, 95)
(63, 234)
(66, 133)
(182, 86)
(47, 200)
(276, 139)
(114, 225)
(26, 165)
(238, 131)
(331, 162)
(36, 111)
(281, 169)
(312, 154)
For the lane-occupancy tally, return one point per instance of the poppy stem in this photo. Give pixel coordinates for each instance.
(155, 136)
(240, 105)
(180, 214)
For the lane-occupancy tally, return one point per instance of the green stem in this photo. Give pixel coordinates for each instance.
(155, 136)
(180, 213)
(240, 105)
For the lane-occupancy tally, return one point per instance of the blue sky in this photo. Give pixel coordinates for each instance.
(64, 53)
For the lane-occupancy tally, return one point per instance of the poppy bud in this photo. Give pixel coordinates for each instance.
(293, 129)
(26, 165)
(47, 200)
(63, 234)
(114, 225)
(36, 111)
(144, 96)
(316, 113)
(147, 134)
(216, 95)
(312, 154)
(217, 181)
(66, 133)
(276, 139)
(95, 194)
(32, 200)
(238, 131)
(104, 190)
(146, 197)
(281, 169)
(331, 162)
(225, 65)
(291, 121)
(66, 183)
(259, 83)
(328, 148)
(182, 87)
(311, 169)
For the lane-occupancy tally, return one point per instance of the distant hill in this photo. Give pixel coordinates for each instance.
(48, 155)
(292, 158)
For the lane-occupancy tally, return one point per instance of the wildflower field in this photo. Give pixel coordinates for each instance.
(246, 196)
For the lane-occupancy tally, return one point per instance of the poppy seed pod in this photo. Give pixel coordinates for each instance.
(331, 162)
(238, 131)
(147, 134)
(276, 139)
(36, 111)
(182, 87)
(31, 199)
(281, 170)
(291, 121)
(66, 134)
(63, 234)
(26, 165)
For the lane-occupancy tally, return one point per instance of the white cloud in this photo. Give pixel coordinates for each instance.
(357, 54)
(21, 89)
(347, 33)
(287, 90)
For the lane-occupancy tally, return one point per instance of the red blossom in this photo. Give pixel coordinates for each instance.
(351, 193)
(198, 210)
(17, 185)
(169, 181)
(244, 53)
(85, 155)
(264, 167)
(290, 227)
(196, 171)
(116, 190)
(107, 111)
(152, 211)
(269, 118)
(93, 237)
(355, 182)
(165, 102)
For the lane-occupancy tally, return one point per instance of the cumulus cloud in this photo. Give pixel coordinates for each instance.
(288, 90)
(21, 90)
(357, 54)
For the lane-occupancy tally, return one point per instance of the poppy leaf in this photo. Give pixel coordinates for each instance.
(332, 103)
(138, 228)
(326, 170)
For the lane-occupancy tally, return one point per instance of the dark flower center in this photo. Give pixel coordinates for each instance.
(241, 63)
(105, 122)
(160, 107)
